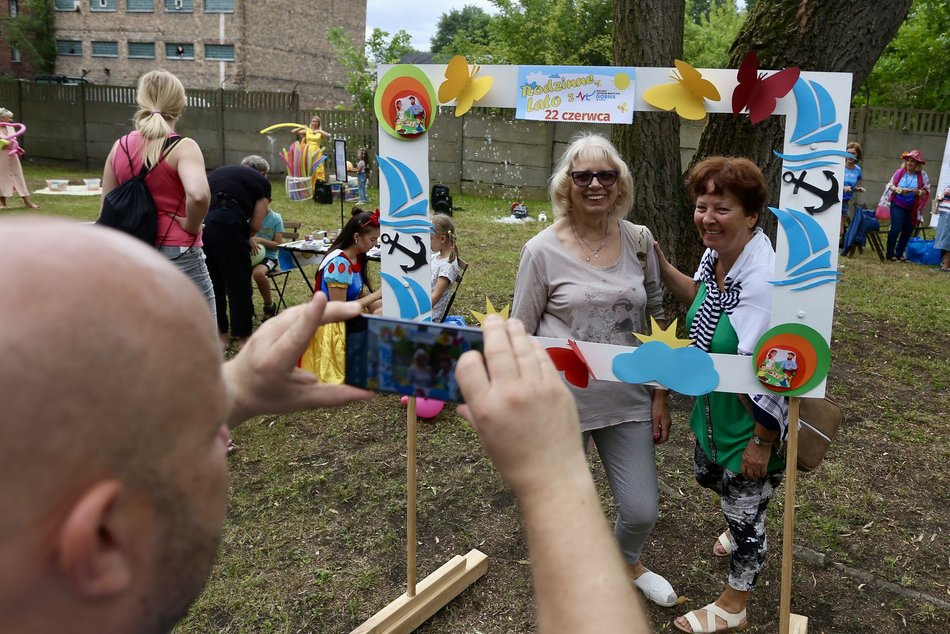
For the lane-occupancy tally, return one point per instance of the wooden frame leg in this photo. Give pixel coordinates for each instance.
(787, 620)
(424, 599)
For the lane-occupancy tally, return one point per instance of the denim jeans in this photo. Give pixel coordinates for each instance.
(902, 227)
(191, 262)
(361, 182)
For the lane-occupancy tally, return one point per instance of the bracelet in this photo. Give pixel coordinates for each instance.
(759, 441)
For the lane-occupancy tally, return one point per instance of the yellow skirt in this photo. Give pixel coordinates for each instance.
(325, 356)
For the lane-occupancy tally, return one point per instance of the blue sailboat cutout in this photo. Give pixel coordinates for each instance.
(809, 252)
(816, 114)
(406, 197)
(413, 299)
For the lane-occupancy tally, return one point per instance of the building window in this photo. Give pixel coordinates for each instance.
(140, 6)
(219, 6)
(221, 52)
(141, 50)
(69, 47)
(102, 5)
(105, 49)
(179, 51)
(66, 5)
(13, 8)
(179, 6)
(17, 56)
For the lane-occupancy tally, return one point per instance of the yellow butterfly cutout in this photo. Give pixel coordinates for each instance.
(465, 88)
(686, 95)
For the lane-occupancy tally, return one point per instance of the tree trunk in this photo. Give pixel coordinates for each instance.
(650, 33)
(814, 35)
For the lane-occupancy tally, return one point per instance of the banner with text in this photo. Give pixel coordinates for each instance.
(584, 94)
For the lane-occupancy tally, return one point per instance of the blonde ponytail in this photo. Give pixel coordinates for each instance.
(161, 99)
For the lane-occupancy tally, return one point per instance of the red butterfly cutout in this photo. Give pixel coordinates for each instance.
(759, 93)
(572, 363)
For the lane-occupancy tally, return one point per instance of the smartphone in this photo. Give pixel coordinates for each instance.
(407, 357)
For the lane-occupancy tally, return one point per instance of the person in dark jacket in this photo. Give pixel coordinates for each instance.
(239, 200)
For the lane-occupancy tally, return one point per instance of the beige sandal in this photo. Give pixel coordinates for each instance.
(723, 546)
(734, 622)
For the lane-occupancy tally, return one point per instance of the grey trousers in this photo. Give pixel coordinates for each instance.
(629, 458)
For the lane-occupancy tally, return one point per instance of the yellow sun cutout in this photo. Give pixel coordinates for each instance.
(667, 336)
(490, 310)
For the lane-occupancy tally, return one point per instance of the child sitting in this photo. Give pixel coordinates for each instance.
(270, 236)
(444, 263)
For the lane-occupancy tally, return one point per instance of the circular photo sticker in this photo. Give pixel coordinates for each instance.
(791, 359)
(404, 102)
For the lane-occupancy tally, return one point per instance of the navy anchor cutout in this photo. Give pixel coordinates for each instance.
(418, 257)
(828, 196)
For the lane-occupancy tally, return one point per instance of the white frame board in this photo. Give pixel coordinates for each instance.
(829, 97)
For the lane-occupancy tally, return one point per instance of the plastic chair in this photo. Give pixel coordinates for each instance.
(463, 266)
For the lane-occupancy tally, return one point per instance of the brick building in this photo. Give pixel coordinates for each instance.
(278, 45)
(13, 61)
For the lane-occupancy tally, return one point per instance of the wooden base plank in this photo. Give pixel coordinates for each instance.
(407, 613)
(797, 624)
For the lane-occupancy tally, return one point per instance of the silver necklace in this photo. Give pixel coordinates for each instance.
(580, 241)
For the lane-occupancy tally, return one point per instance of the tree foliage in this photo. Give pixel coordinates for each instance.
(556, 32)
(32, 32)
(469, 25)
(709, 30)
(360, 62)
(912, 72)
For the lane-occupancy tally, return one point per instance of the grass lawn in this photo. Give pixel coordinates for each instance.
(315, 537)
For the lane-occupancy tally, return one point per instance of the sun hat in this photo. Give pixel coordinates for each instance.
(914, 154)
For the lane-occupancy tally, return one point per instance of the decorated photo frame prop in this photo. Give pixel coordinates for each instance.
(816, 117)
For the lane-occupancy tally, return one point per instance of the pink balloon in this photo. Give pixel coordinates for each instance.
(425, 407)
(18, 129)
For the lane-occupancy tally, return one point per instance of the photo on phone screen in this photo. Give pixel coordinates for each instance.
(407, 357)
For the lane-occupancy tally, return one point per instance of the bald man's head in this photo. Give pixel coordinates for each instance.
(110, 373)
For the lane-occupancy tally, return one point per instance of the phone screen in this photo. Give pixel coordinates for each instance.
(407, 357)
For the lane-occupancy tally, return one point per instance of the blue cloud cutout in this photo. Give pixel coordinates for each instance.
(689, 371)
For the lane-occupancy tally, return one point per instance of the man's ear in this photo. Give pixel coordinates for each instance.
(94, 542)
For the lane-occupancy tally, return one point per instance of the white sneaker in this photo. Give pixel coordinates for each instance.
(655, 588)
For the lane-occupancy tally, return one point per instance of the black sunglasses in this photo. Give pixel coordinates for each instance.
(605, 177)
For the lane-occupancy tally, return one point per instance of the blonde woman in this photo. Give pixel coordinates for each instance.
(176, 179)
(11, 172)
(312, 138)
(580, 279)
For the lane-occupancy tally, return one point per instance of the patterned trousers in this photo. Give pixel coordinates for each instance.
(743, 503)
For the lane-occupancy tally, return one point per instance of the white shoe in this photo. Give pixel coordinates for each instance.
(655, 588)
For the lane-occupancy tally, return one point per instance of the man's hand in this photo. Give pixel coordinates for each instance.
(264, 378)
(524, 415)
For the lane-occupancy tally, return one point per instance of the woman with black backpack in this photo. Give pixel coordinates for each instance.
(174, 173)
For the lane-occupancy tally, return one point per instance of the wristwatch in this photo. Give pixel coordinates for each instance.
(760, 441)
